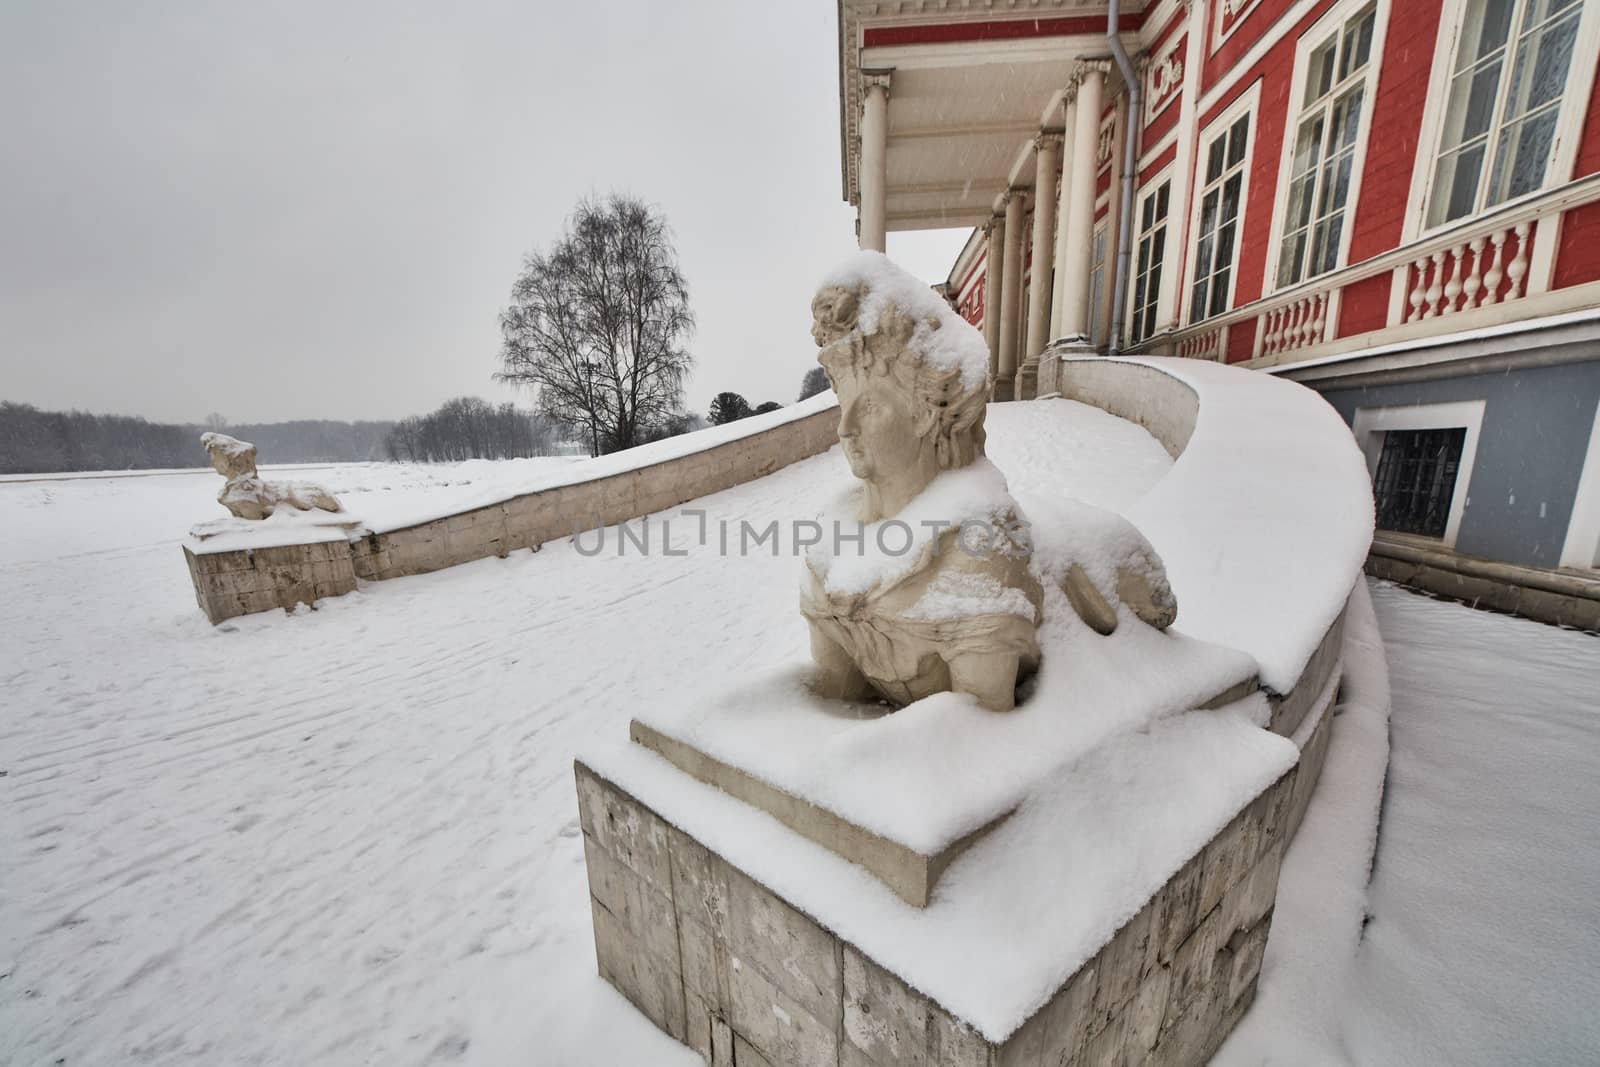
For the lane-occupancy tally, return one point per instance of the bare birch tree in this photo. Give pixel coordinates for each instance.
(598, 325)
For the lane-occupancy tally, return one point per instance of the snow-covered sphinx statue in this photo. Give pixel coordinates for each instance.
(246, 495)
(925, 579)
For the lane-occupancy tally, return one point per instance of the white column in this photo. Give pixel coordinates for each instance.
(873, 167)
(993, 270)
(1068, 164)
(1047, 157)
(1080, 201)
(1010, 295)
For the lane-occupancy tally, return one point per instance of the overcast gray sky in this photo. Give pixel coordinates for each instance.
(284, 210)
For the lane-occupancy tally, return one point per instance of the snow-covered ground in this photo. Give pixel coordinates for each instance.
(1477, 939)
(350, 836)
(1484, 941)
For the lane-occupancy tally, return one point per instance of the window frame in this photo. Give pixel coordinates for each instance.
(1581, 548)
(1099, 242)
(1371, 424)
(1247, 102)
(1146, 190)
(1564, 149)
(1329, 26)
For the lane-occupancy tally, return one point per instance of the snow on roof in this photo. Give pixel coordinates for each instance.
(1265, 519)
(955, 343)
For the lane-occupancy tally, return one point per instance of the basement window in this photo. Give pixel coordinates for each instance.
(1416, 480)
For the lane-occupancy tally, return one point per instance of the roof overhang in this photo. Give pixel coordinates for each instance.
(972, 85)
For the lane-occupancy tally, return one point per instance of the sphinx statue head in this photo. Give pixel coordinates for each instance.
(907, 408)
(957, 608)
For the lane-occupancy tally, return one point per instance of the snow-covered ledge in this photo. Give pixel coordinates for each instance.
(265, 565)
(1121, 911)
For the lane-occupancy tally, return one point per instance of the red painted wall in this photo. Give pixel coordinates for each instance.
(1153, 169)
(1578, 254)
(1396, 125)
(1252, 27)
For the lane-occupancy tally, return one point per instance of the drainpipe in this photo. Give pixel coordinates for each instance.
(1130, 77)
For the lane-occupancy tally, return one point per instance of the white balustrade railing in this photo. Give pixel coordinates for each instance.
(1487, 268)
(1298, 324)
(1477, 264)
(1204, 344)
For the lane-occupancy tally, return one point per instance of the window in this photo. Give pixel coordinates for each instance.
(1324, 150)
(1097, 285)
(1147, 270)
(1416, 479)
(1506, 86)
(1220, 199)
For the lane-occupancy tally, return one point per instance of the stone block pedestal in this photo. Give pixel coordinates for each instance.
(242, 581)
(732, 969)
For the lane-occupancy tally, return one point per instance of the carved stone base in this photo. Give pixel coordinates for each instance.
(1027, 386)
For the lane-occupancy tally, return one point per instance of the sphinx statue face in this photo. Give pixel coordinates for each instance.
(878, 430)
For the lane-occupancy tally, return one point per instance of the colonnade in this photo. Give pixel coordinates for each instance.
(1055, 312)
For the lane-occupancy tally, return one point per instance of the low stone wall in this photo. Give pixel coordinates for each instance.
(250, 580)
(1560, 598)
(1163, 405)
(1289, 710)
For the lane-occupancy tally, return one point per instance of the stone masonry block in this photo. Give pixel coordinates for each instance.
(1253, 897)
(898, 1027)
(1194, 964)
(1108, 1048)
(1179, 912)
(625, 829)
(697, 1019)
(1147, 1012)
(746, 1056)
(641, 908)
(1070, 1017)
(779, 1027)
(1120, 964)
(1246, 948)
(651, 983)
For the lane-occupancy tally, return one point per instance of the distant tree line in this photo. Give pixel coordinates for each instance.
(34, 441)
(470, 428)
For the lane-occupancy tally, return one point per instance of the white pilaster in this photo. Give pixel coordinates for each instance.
(873, 174)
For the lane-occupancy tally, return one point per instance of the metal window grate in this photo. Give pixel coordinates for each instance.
(1416, 479)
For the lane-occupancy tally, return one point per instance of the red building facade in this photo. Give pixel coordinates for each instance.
(1390, 200)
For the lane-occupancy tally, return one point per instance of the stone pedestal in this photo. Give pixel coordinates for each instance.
(239, 582)
(732, 969)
